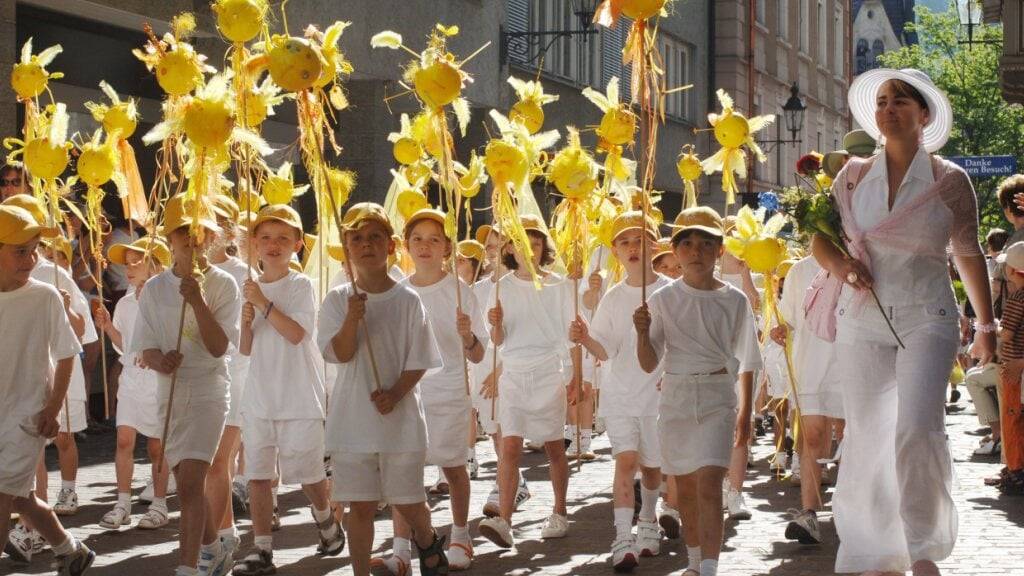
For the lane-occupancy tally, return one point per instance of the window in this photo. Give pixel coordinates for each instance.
(822, 34)
(761, 11)
(877, 48)
(839, 35)
(569, 59)
(805, 25)
(863, 56)
(676, 56)
(782, 24)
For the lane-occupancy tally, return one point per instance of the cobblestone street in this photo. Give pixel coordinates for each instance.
(991, 526)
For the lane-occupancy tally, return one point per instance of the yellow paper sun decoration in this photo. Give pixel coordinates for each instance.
(733, 131)
(689, 169)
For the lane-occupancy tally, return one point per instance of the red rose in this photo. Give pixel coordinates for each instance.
(808, 164)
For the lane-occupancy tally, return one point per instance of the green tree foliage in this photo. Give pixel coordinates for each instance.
(983, 123)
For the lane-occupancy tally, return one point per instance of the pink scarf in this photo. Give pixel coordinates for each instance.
(822, 297)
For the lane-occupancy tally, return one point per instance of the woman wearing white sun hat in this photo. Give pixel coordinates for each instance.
(902, 209)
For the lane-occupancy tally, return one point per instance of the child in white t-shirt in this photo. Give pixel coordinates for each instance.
(530, 327)
(283, 408)
(629, 395)
(447, 405)
(704, 330)
(34, 316)
(137, 408)
(376, 435)
(198, 410)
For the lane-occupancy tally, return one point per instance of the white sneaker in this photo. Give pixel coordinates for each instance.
(154, 518)
(804, 527)
(737, 506)
(989, 447)
(146, 497)
(67, 503)
(472, 465)
(555, 526)
(522, 493)
(570, 450)
(498, 531)
(215, 563)
(779, 462)
(460, 555)
(648, 538)
(599, 426)
(492, 507)
(117, 517)
(669, 521)
(624, 554)
(586, 454)
(19, 545)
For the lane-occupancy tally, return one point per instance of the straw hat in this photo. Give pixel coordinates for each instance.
(864, 91)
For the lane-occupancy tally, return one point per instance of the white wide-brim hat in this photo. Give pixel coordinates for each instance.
(864, 92)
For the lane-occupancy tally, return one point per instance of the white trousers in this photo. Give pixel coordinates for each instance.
(893, 504)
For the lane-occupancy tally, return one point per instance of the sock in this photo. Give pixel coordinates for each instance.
(586, 434)
(402, 548)
(213, 547)
(67, 485)
(648, 504)
(460, 534)
(571, 432)
(69, 546)
(186, 571)
(159, 503)
(273, 495)
(322, 515)
(264, 542)
(471, 453)
(709, 567)
(228, 533)
(623, 522)
(693, 557)
(124, 500)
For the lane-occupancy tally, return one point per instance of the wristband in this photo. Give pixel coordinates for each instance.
(267, 313)
(986, 328)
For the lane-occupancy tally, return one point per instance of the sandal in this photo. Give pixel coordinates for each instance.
(329, 546)
(435, 550)
(394, 566)
(153, 518)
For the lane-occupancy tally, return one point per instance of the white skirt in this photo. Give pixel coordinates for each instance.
(532, 403)
(696, 422)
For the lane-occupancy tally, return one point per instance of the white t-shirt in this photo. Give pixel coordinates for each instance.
(239, 270)
(44, 272)
(157, 327)
(483, 291)
(402, 341)
(536, 321)
(135, 379)
(394, 272)
(703, 331)
(812, 356)
(626, 389)
(37, 330)
(286, 381)
(440, 303)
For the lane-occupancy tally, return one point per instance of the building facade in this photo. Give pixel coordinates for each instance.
(762, 48)
(879, 26)
(98, 36)
(1009, 13)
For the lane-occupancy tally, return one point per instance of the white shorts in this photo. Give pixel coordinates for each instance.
(20, 449)
(297, 445)
(532, 404)
(447, 430)
(139, 412)
(79, 421)
(635, 434)
(238, 369)
(395, 478)
(196, 425)
(696, 422)
(822, 397)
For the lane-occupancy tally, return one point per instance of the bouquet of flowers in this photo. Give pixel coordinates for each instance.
(812, 210)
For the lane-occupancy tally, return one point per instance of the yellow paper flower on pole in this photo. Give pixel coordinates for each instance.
(529, 110)
(179, 68)
(280, 188)
(29, 77)
(690, 170)
(733, 131)
(97, 161)
(240, 20)
(618, 124)
(756, 242)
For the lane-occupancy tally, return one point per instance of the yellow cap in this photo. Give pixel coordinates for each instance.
(247, 219)
(425, 214)
(471, 249)
(177, 215)
(663, 247)
(698, 218)
(281, 213)
(295, 265)
(483, 232)
(784, 267)
(150, 244)
(33, 205)
(225, 207)
(336, 251)
(17, 226)
(360, 214)
(531, 222)
(633, 220)
(60, 244)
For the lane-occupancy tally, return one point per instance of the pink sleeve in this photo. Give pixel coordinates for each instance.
(957, 193)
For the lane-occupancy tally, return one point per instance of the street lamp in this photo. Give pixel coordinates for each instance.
(793, 113)
(518, 45)
(970, 16)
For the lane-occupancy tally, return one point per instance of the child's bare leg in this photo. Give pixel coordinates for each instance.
(360, 535)
(67, 456)
(218, 480)
(124, 462)
(508, 474)
(261, 506)
(42, 518)
(686, 499)
(458, 481)
(558, 470)
(709, 503)
(737, 467)
(418, 517)
(161, 474)
(191, 479)
(816, 441)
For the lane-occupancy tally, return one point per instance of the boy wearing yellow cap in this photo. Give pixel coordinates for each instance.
(704, 330)
(376, 434)
(35, 312)
(212, 306)
(137, 408)
(531, 326)
(283, 409)
(629, 394)
(665, 261)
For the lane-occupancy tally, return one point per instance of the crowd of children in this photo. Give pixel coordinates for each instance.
(237, 368)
